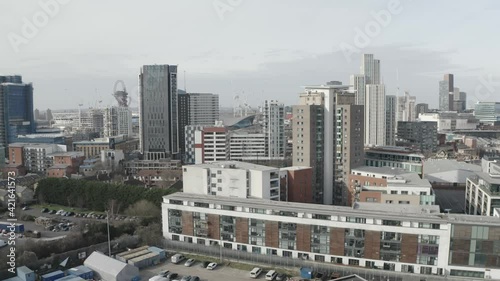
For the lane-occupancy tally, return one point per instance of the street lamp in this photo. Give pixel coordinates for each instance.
(109, 240)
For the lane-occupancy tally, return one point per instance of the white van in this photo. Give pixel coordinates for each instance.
(177, 258)
(256, 271)
(271, 274)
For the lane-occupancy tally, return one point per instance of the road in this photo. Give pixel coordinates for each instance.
(220, 273)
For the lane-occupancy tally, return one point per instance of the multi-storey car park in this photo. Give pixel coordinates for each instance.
(412, 239)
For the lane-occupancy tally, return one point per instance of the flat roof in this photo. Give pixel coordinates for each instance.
(68, 153)
(380, 170)
(146, 256)
(327, 87)
(381, 211)
(395, 176)
(237, 165)
(488, 178)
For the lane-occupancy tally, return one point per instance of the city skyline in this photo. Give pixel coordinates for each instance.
(56, 59)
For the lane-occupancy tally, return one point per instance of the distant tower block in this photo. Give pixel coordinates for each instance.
(121, 96)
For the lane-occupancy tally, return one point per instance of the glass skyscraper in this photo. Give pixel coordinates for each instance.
(16, 109)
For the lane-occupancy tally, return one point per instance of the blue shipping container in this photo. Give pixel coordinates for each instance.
(19, 228)
(53, 276)
(306, 272)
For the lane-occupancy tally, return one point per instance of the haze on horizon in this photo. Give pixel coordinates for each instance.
(258, 49)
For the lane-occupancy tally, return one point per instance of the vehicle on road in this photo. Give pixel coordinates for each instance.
(189, 262)
(212, 266)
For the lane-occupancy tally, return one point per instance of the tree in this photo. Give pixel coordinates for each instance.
(27, 258)
(143, 208)
(151, 235)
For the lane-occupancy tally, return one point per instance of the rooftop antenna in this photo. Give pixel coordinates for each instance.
(185, 88)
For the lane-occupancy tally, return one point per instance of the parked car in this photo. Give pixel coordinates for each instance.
(195, 278)
(256, 271)
(186, 278)
(205, 264)
(172, 275)
(52, 212)
(212, 266)
(177, 258)
(281, 277)
(189, 262)
(26, 208)
(163, 273)
(45, 210)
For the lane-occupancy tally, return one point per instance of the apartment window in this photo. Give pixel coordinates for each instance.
(321, 217)
(219, 172)
(355, 220)
(213, 175)
(404, 192)
(219, 188)
(394, 192)
(354, 262)
(202, 205)
(227, 207)
(391, 222)
(176, 202)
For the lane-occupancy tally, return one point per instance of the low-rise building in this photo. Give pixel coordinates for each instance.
(389, 186)
(232, 179)
(110, 269)
(420, 135)
(449, 121)
(396, 157)
(405, 238)
(94, 147)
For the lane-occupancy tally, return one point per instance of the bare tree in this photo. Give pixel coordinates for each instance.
(143, 208)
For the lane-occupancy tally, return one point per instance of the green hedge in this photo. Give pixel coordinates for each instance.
(95, 195)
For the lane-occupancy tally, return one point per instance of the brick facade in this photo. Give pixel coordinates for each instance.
(187, 223)
(337, 241)
(304, 237)
(409, 248)
(213, 226)
(372, 244)
(272, 234)
(242, 230)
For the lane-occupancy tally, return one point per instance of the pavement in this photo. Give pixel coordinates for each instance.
(220, 273)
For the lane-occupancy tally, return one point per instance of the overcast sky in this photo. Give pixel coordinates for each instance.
(260, 49)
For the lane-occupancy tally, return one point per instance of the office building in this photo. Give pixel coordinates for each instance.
(246, 145)
(357, 85)
(390, 120)
(370, 68)
(487, 112)
(117, 121)
(449, 121)
(459, 100)
(375, 131)
(482, 193)
(232, 179)
(421, 108)
(274, 129)
(446, 95)
(397, 157)
(406, 108)
(189, 143)
(159, 132)
(16, 109)
(419, 135)
(387, 185)
(405, 238)
(196, 109)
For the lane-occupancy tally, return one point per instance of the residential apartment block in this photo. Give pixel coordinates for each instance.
(232, 179)
(389, 185)
(405, 239)
(482, 193)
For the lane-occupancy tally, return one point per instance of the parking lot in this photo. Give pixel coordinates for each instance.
(220, 273)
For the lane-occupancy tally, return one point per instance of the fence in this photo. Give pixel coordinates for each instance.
(294, 264)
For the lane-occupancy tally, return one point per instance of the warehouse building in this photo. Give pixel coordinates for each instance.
(109, 269)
